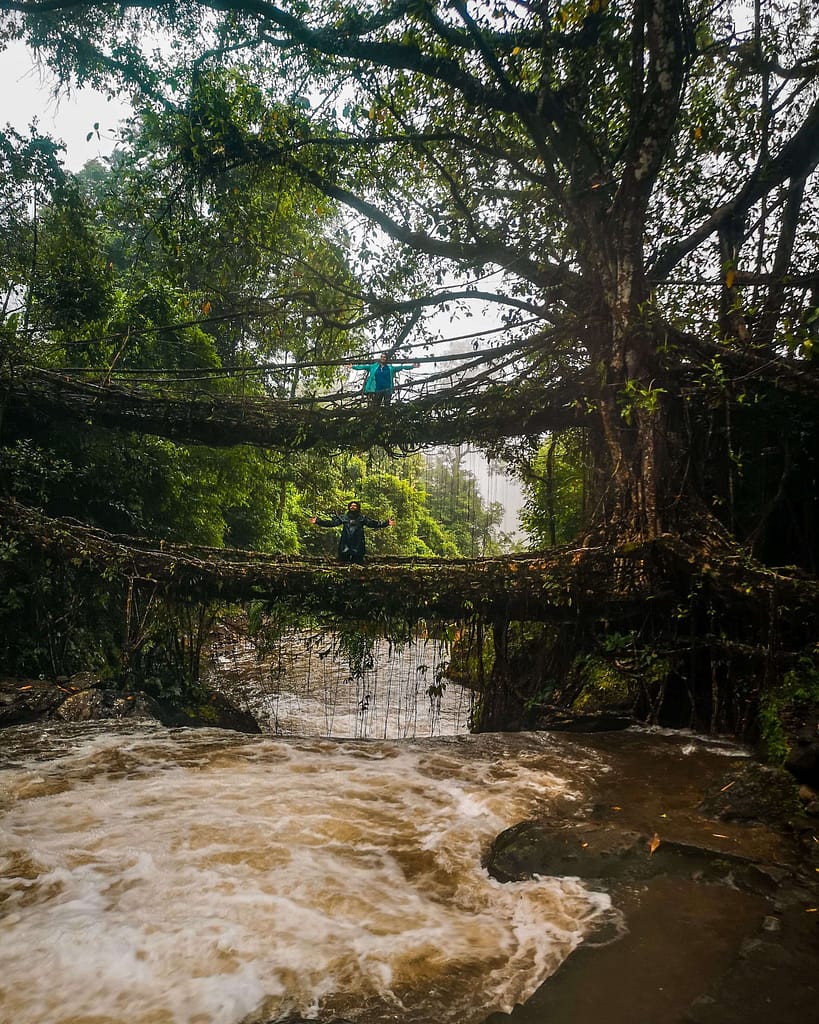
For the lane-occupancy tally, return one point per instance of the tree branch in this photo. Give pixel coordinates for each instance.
(798, 158)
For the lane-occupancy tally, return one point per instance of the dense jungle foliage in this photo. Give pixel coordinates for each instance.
(612, 204)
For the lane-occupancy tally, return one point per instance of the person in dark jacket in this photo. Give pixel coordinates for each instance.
(351, 543)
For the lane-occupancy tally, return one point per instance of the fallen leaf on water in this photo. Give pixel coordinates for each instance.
(653, 843)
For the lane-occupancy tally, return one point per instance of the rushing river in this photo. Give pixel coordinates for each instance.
(154, 876)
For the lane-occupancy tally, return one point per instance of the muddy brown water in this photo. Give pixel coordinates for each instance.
(180, 876)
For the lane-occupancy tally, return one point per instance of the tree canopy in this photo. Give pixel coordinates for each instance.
(628, 183)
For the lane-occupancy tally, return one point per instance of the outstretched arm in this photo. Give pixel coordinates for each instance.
(378, 524)
(334, 521)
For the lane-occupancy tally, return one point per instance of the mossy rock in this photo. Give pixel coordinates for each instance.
(100, 703)
(754, 792)
(217, 711)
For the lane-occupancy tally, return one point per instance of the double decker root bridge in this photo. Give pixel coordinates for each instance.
(675, 592)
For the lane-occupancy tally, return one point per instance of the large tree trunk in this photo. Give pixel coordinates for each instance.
(633, 401)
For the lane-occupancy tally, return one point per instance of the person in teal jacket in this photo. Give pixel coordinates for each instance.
(380, 382)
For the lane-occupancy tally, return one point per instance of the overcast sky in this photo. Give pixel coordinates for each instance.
(27, 92)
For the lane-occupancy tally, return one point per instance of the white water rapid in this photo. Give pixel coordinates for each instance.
(154, 876)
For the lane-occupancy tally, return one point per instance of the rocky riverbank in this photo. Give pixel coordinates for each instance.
(84, 696)
(712, 862)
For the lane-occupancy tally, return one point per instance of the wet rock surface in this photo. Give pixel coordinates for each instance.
(612, 854)
(103, 703)
(84, 697)
(755, 792)
(582, 850)
(23, 701)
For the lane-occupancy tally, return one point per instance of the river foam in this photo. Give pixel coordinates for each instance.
(201, 877)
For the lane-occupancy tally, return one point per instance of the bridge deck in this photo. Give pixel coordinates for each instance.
(220, 420)
(603, 583)
(540, 586)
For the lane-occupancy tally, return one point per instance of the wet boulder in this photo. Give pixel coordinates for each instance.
(582, 850)
(81, 681)
(105, 703)
(85, 696)
(754, 792)
(601, 721)
(28, 700)
(611, 855)
(215, 710)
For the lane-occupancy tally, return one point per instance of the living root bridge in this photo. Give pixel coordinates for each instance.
(554, 586)
(611, 585)
(35, 399)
